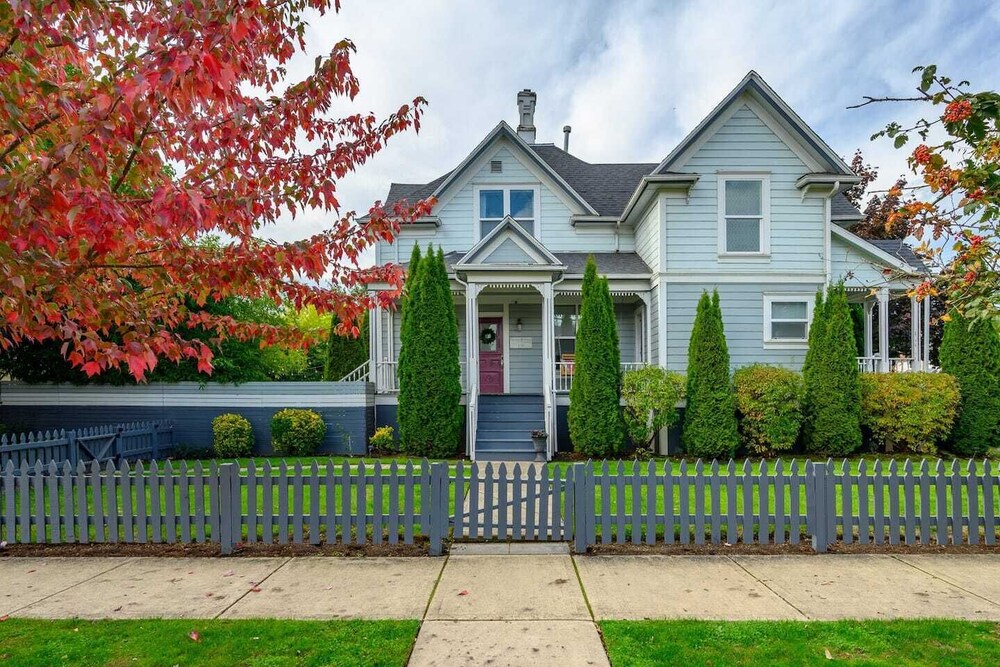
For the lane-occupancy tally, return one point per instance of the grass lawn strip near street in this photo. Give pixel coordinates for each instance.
(872, 643)
(251, 643)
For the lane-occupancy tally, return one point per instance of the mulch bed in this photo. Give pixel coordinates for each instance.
(213, 550)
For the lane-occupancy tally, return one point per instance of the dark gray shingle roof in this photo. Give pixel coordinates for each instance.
(841, 208)
(606, 187)
(901, 251)
(608, 263)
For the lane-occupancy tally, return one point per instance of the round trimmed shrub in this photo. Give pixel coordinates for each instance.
(296, 432)
(769, 408)
(910, 412)
(232, 436)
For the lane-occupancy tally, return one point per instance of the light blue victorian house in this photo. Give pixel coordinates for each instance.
(750, 203)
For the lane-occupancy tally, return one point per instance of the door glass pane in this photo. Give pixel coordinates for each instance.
(522, 204)
(491, 203)
(742, 235)
(788, 330)
(743, 197)
(488, 337)
(789, 310)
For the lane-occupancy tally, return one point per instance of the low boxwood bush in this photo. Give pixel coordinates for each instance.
(769, 408)
(232, 436)
(296, 432)
(382, 441)
(910, 412)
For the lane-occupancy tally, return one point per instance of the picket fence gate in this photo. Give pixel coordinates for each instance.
(113, 442)
(624, 502)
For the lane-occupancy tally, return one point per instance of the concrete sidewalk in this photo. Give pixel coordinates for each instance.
(507, 604)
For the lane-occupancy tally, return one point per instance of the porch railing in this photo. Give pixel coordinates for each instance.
(895, 365)
(387, 377)
(563, 377)
(357, 375)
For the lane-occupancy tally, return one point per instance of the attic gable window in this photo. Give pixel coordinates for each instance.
(495, 204)
(744, 212)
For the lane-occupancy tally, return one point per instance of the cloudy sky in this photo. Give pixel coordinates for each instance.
(633, 78)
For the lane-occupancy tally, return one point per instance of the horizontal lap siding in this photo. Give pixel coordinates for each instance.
(191, 409)
(797, 226)
(525, 364)
(625, 317)
(647, 237)
(743, 318)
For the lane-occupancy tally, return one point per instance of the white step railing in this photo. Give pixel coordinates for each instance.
(895, 365)
(563, 376)
(359, 374)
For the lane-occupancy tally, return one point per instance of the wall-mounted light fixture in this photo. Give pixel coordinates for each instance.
(519, 324)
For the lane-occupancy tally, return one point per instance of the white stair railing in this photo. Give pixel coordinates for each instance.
(359, 374)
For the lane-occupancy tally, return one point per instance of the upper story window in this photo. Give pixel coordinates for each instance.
(744, 215)
(496, 203)
(786, 319)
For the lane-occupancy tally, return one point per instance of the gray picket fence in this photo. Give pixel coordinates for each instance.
(113, 442)
(357, 503)
(783, 503)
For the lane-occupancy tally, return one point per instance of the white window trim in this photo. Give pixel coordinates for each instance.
(506, 188)
(765, 210)
(790, 343)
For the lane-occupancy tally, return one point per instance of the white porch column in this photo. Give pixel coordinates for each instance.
(926, 356)
(471, 366)
(915, 332)
(548, 363)
(374, 345)
(647, 352)
(869, 306)
(883, 328)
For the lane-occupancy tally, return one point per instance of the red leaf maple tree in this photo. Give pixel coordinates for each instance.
(131, 129)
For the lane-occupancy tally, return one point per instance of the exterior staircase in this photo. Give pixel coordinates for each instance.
(503, 431)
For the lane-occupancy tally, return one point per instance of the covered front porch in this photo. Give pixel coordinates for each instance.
(878, 357)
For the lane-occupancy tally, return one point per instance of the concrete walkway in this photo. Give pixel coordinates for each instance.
(503, 604)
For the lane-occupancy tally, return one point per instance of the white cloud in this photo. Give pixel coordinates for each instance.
(633, 78)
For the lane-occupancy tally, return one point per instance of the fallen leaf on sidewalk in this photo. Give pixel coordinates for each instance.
(209, 594)
(255, 589)
(463, 592)
(119, 607)
(194, 636)
(4, 618)
(228, 573)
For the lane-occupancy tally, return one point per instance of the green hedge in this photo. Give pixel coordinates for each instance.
(232, 436)
(297, 432)
(910, 412)
(970, 350)
(769, 408)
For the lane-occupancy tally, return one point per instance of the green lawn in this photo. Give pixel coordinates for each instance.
(873, 643)
(257, 643)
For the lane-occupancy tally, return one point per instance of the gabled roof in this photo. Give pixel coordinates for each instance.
(892, 253)
(532, 252)
(753, 83)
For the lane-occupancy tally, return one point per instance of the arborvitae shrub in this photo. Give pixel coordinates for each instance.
(970, 350)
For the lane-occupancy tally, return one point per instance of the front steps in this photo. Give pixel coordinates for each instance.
(504, 426)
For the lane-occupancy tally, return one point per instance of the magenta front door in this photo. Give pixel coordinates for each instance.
(491, 355)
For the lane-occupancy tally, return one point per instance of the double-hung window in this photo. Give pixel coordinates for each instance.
(744, 225)
(566, 319)
(496, 203)
(786, 319)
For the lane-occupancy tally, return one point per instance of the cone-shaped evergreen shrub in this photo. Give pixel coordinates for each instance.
(710, 418)
(406, 406)
(345, 353)
(595, 421)
(970, 350)
(833, 388)
(816, 329)
(430, 392)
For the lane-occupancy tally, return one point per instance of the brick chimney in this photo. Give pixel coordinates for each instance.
(526, 115)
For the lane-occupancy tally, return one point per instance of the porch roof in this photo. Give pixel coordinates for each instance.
(608, 263)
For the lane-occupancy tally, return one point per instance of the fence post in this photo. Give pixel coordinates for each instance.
(226, 507)
(583, 504)
(156, 441)
(72, 449)
(816, 506)
(438, 507)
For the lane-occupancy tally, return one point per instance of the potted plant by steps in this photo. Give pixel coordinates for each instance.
(540, 439)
